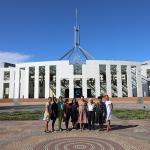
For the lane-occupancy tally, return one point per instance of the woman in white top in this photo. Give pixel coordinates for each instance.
(109, 108)
(47, 114)
(91, 114)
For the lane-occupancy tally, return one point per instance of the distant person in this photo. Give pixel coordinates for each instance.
(67, 112)
(60, 112)
(82, 113)
(75, 113)
(109, 108)
(47, 114)
(102, 112)
(54, 113)
(91, 114)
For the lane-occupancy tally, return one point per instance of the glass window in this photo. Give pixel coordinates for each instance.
(41, 81)
(124, 80)
(148, 73)
(6, 75)
(53, 80)
(31, 81)
(77, 69)
(102, 71)
(113, 69)
(91, 88)
(134, 80)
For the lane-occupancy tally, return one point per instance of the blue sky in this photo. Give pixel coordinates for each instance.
(39, 30)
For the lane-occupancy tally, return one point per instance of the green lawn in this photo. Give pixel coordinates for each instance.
(23, 115)
(131, 114)
(38, 114)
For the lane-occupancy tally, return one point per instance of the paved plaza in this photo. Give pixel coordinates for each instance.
(29, 135)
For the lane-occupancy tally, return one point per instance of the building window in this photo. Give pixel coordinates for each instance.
(31, 81)
(6, 90)
(77, 69)
(65, 88)
(6, 76)
(52, 80)
(148, 73)
(134, 80)
(91, 88)
(42, 82)
(77, 88)
(124, 80)
(114, 91)
(102, 72)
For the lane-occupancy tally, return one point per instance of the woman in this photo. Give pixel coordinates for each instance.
(109, 108)
(91, 114)
(67, 112)
(54, 113)
(82, 113)
(75, 113)
(102, 112)
(60, 112)
(47, 114)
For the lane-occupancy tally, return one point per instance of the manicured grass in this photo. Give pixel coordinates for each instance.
(22, 115)
(38, 114)
(131, 114)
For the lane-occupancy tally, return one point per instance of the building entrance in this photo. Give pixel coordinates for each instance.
(77, 92)
(89, 94)
(66, 93)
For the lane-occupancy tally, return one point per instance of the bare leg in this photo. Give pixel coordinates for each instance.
(108, 125)
(46, 126)
(81, 126)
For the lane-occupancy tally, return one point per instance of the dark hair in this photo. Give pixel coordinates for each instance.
(54, 99)
(60, 97)
(49, 98)
(74, 99)
(82, 96)
(100, 97)
(66, 100)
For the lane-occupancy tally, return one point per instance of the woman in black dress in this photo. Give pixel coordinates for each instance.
(75, 113)
(54, 113)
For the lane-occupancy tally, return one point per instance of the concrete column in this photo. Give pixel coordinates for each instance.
(26, 85)
(17, 83)
(108, 80)
(97, 86)
(84, 87)
(11, 84)
(36, 82)
(119, 81)
(129, 81)
(139, 82)
(47, 80)
(1, 83)
(71, 88)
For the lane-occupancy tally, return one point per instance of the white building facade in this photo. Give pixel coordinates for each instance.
(75, 76)
(60, 78)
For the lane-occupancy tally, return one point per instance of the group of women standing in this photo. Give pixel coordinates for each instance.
(83, 113)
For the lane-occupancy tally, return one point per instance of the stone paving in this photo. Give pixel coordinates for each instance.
(29, 135)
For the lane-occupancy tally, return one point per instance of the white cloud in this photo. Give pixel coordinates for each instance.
(13, 57)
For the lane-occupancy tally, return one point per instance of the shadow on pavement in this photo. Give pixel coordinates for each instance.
(120, 127)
